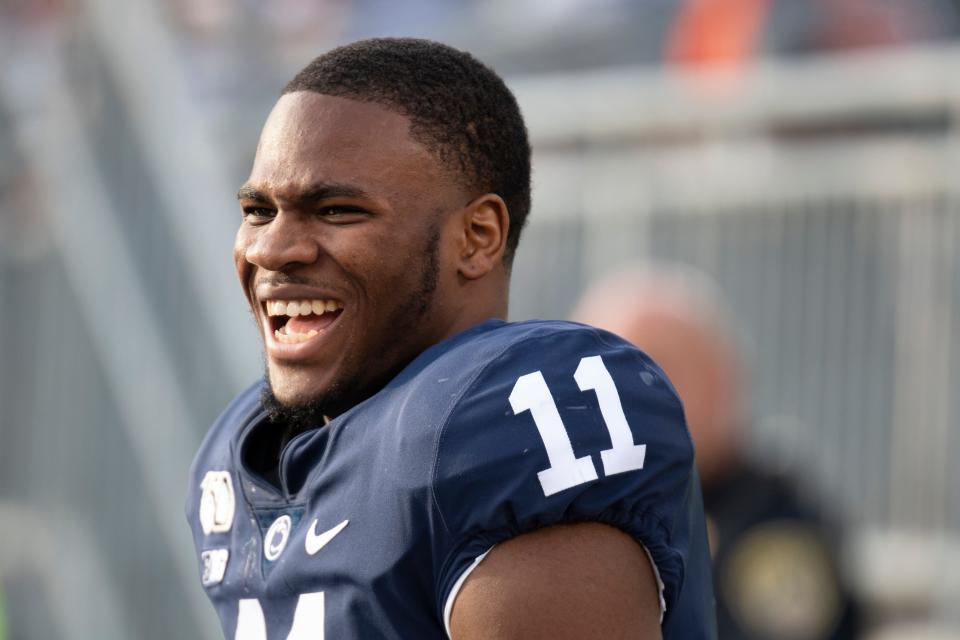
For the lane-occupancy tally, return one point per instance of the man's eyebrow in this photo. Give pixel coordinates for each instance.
(325, 191)
(247, 192)
(313, 194)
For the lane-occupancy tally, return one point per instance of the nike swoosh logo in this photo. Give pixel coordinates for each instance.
(316, 541)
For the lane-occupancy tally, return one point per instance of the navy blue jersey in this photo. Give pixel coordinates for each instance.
(375, 519)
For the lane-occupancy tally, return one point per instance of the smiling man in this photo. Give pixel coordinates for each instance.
(412, 466)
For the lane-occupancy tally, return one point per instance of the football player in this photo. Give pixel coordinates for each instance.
(413, 466)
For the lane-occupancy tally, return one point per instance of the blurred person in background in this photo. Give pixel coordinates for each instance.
(775, 565)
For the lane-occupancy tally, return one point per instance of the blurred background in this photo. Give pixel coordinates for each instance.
(804, 154)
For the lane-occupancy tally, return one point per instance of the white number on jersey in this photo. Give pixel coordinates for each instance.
(307, 619)
(531, 393)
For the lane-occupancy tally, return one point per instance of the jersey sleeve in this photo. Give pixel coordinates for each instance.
(572, 426)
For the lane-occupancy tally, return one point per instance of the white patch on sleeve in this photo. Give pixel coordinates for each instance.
(214, 563)
(448, 605)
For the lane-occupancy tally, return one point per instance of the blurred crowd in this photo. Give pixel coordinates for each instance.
(237, 48)
(540, 35)
(235, 53)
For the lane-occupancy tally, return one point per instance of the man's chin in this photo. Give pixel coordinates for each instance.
(287, 398)
(294, 415)
(297, 406)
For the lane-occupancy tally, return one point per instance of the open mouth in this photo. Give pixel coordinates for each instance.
(296, 321)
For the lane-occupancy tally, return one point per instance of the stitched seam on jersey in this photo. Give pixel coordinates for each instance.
(446, 422)
(615, 517)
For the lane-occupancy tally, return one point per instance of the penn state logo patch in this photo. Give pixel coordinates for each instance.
(217, 502)
(276, 539)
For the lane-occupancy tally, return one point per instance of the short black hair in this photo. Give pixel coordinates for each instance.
(459, 109)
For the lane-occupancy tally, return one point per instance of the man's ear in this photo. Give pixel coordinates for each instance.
(486, 223)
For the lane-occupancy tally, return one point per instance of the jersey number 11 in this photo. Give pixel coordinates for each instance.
(531, 393)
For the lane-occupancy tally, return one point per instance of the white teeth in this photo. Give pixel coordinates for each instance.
(294, 338)
(295, 308)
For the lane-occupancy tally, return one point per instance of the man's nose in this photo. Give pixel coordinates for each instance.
(282, 243)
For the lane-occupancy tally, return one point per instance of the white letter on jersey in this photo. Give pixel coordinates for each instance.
(625, 455)
(250, 623)
(531, 393)
(307, 619)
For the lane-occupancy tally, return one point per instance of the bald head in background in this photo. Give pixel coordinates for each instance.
(676, 316)
(759, 525)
